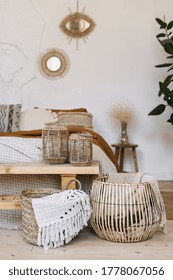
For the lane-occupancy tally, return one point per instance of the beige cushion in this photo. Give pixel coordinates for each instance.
(35, 119)
(75, 118)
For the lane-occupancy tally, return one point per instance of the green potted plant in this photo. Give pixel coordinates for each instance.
(165, 38)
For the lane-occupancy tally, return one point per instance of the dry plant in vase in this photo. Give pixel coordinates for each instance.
(123, 113)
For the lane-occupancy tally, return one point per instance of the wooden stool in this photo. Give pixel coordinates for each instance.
(120, 152)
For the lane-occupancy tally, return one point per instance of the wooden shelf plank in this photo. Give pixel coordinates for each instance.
(66, 171)
(10, 202)
(43, 168)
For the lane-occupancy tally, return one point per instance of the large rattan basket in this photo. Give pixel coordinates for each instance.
(124, 212)
(29, 224)
(80, 149)
(55, 143)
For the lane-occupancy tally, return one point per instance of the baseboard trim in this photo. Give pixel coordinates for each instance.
(161, 176)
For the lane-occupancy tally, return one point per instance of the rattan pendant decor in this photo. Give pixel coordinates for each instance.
(80, 149)
(77, 25)
(55, 143)
(124, 213)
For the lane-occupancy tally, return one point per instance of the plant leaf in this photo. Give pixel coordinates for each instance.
(170, 119)
(160, 35)
(161, 23)
(168, 80)
(170, 69)
(168, 47)
(164, 65)
(158, 110)
(163, 89)
(170, 102)
(166, 91)
(170, 25)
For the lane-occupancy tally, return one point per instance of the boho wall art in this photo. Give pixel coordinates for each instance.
(77, 25)
(53, 63)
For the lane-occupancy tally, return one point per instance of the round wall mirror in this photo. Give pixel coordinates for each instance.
(53, 64)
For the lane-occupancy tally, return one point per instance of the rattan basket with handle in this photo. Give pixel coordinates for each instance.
(124, 212)
(29, 225)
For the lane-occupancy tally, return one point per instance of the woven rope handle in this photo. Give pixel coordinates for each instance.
(73, 180)
(17, 198)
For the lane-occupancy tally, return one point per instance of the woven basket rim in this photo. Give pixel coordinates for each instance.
(98, 180)
(26, 193)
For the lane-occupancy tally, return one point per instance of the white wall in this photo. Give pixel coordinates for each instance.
(116, 64)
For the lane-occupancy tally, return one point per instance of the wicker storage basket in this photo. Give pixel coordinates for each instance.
(124, 212)
(55, 143)
(29, 224)
(80, 149)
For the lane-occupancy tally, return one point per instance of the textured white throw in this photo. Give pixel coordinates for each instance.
(60, 217)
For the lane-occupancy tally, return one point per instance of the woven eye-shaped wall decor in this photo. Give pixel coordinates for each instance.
(77, 25)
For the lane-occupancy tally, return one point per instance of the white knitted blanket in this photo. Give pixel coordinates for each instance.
(60, 217)
(139, 177)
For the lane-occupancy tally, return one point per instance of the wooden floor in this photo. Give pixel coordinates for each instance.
(166, 188)
(88, 246)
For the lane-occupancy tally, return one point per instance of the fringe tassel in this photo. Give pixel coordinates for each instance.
(63, 232)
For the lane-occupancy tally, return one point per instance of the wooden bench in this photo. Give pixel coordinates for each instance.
(66, 171)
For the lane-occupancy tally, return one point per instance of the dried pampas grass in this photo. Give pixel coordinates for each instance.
(123, 112)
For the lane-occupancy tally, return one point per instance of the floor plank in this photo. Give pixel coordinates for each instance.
(87, 246)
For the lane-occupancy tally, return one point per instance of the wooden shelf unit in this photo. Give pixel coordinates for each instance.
(66, 171)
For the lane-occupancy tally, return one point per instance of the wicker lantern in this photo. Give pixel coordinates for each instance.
(55, 143)
(80, 149)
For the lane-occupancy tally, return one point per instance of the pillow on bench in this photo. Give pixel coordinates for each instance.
(75, 118)
(35, 119)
